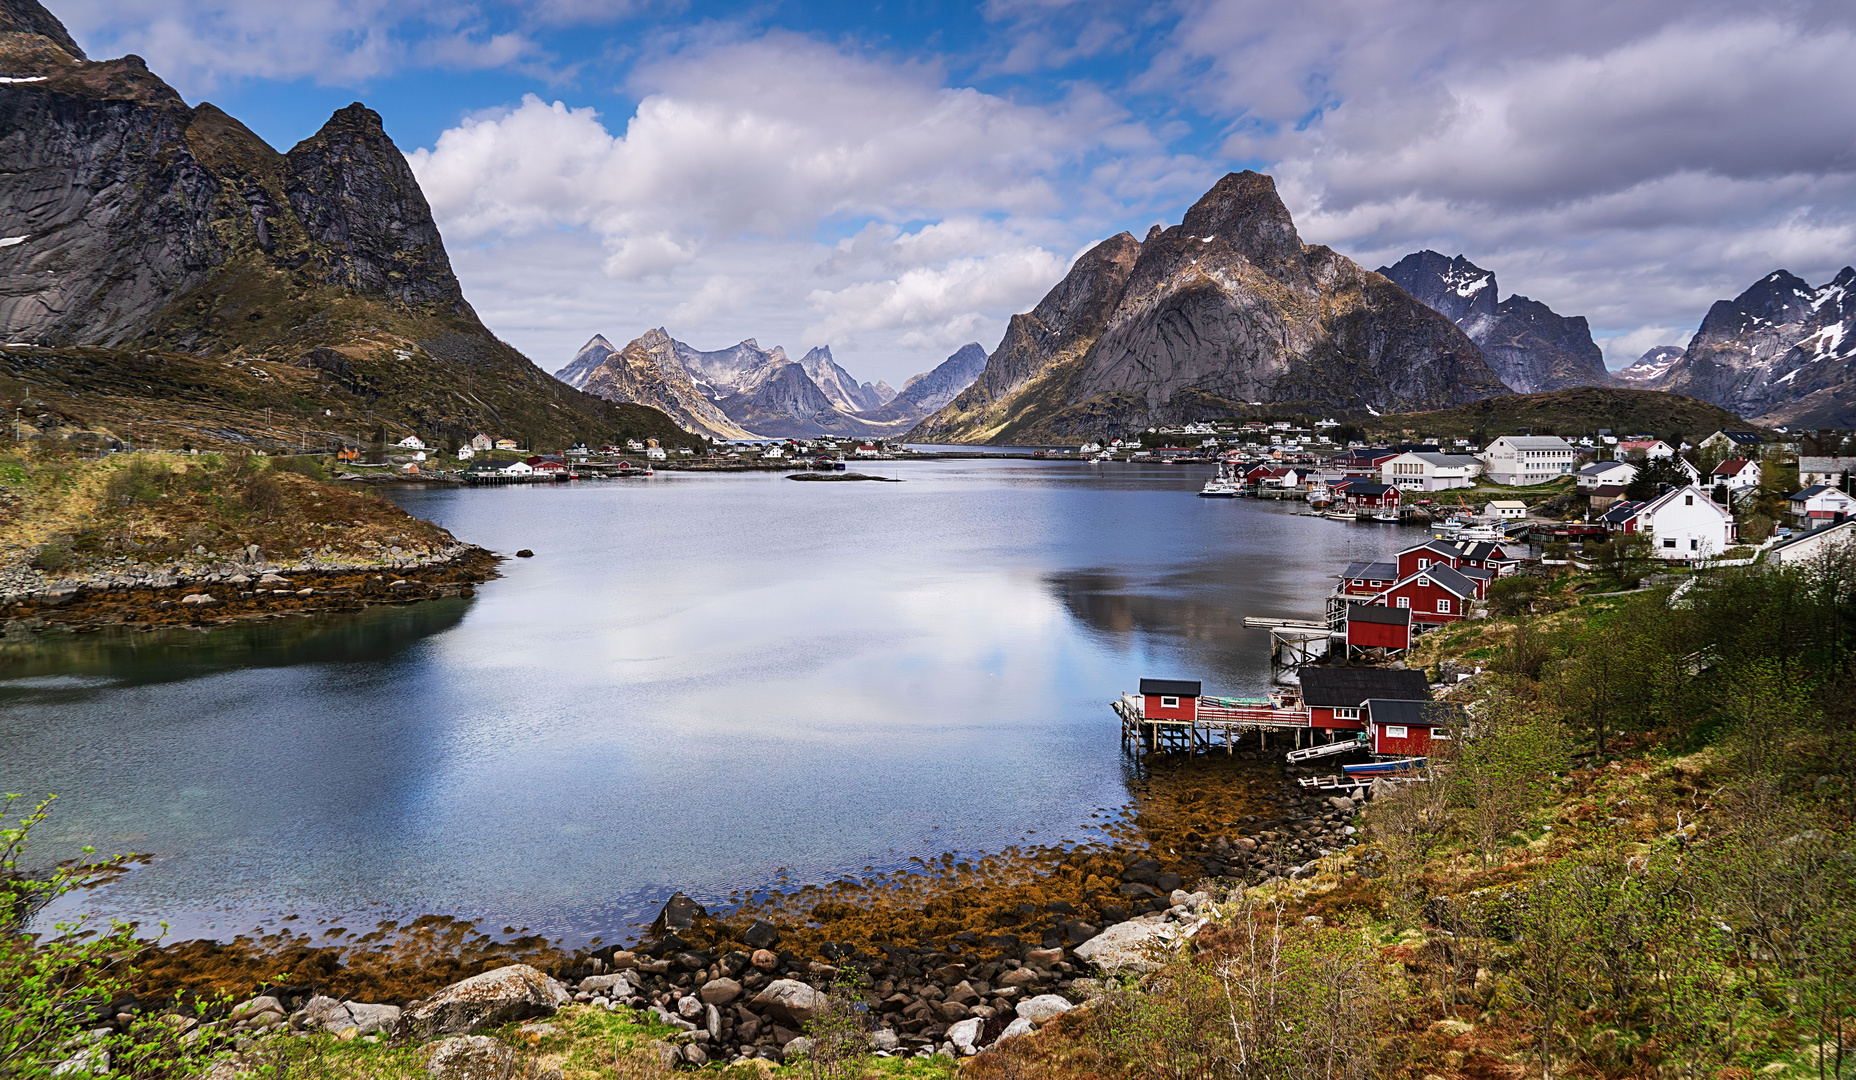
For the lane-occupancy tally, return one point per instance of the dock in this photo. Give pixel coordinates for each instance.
(1296, 643)
(1218, 723)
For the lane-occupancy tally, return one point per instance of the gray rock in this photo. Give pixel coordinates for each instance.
(199, 599)
(799, 1047)
(694, 1055)
(885, 1039)
(689, 1007)
(263, 1004)
(515, 992)
(1043, 959)
(1042, 1009)
(720, 991)
(472, 1057)
(370, 1019)
(790, 1001)
(966, 1034)
(1135, 945)
(1020, 1026)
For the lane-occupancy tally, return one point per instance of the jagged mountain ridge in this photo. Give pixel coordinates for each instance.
(648, 371)
(1781, 352)
(1531, 347)
(1651, 366)
(140, 225)
(1226, 309)
(760, 393)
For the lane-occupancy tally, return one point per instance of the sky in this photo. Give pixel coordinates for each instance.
(895, 179)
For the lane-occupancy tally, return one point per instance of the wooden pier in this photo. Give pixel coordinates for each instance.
(1220, 723)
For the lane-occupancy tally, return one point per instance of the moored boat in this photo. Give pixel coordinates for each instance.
(1380, 768)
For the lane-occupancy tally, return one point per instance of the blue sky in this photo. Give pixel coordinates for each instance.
(896, 179)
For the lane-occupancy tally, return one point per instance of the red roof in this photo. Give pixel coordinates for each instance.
(1730, 467)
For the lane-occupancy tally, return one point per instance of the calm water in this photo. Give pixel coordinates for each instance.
(700, 681)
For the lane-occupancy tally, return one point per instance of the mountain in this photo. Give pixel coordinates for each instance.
(1228, 308)
(167, 275)
(1582, 409)
(884, 392)
(1781, 352)
(590, 356)
(1649, 367)
(929, 391)
(648, 371)
(1528, 345)
(837, 384)
(733, 370)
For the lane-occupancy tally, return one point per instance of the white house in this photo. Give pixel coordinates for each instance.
(1605, 474)
(517, 467)
(1430, 472)
(1820, 505)
(1507, 509)
(1649, 448)
(480, 441)
(1824, 470)
(1683, 524)
(1808, 546)
(1746, 444)
(1738, 474)
(412, 442)
(467, 451)
(1524, 460)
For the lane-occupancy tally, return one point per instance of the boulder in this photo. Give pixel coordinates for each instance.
(790, 1001)
(1044, 959)
(262, 1004)
(885, 1039)
(797, 1048)
(1020, 1026)
(720, 991)
(761, 935)
(764, 960)
(369, 1019)
(966, 1035)
(1042, 1009)
(679, 913)
(198, 599)
(689, 1008)
(515, 992)
(1452, 1029)
(1017, 977)
(1130, 946)
(952, 1012)
(472, 1057)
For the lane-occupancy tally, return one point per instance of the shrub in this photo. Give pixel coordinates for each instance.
(1513, 595)
(50, 557)
(263, 494)
(302, 464)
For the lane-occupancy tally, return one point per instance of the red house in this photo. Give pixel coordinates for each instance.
(1336, 696)
(1488, 556)
(1368, 579)
(1170, 699)
(1436, 595)
(1370, 495)
(1370, 626)
(1407, 728)
(1431, 553)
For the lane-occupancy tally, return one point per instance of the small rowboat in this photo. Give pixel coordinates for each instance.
(1380, 768)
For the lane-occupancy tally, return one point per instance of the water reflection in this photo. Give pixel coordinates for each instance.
(700, 681)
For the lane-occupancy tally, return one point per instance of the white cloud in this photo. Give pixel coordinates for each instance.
(743, 157)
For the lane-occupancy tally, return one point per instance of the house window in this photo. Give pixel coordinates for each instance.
(1424, 581)
(1669, 543)
(1688, 500)
(1443, 607)
(1397, 732)
(1346, 714)
(1424, 564)
(1169, 703)
(1694, 544)
(1358, 581)
(1404, 601)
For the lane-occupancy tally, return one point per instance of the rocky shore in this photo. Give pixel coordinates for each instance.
(198, 590)
(742, 988)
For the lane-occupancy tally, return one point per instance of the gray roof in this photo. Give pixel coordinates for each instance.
(1448, 461)
(1379, 613)
(1599, 468)
(1537, 442)
(1171, 687)
(1414, 713)
(1814, 489)
(1449, 579)
(1372, 571)
(1348, 688)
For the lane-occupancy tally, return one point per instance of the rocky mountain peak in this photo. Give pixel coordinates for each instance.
(1782, 352)
(1244, 211)
(1455, 287)
(1652, 365)
(29, 17)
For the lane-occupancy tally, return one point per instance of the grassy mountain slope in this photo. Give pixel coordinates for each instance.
(1580, 410)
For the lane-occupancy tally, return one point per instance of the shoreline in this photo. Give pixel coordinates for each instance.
(247, 587)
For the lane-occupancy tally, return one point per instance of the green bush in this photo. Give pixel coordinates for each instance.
(50, 557)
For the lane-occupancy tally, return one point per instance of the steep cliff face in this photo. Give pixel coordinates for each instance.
(648, 372)
(1781, 352)
(1227, 308)
(1531, 347)
(729, 371)
(132, 221)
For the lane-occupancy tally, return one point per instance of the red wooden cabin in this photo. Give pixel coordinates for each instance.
(1407, 728)
(1370, 626)
(1337, 696)
(1426, 555)
(1436, 595)
(1170, 699)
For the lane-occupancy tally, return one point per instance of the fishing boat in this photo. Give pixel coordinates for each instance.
(1319, 495)
(1382, 768)
(1341, 515)
(1386, 516)
(1480, 532)
(1222, 486)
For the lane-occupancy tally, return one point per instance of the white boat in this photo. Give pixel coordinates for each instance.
(1386, 515)
(1480, 532)
(1222, 486)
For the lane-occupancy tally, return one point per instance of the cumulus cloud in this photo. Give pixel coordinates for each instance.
(743, 155)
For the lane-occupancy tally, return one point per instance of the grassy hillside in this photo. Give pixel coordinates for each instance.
(1567, 412)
